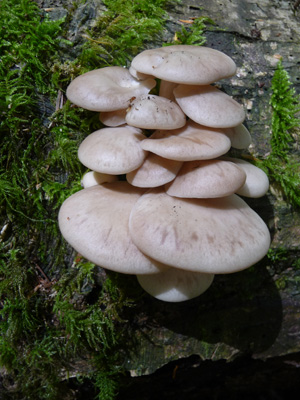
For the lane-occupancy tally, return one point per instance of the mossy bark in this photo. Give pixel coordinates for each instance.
(256, 311)
(249, 316)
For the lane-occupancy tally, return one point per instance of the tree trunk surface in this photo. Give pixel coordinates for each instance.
(244, 332)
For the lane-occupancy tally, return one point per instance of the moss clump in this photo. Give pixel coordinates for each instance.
(53, 312)
(194, 34)
(281, 166)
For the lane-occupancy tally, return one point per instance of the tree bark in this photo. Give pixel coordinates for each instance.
(253, 315)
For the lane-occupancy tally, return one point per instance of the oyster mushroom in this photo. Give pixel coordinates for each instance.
(155, 112)
(107, 89)
(113, 150)
(209, 106)
(192, 65)
(93, 178)
(257, 181)
(175, 285)
(216, 236)
(207, 179)
(192, 142)
(113, 118)
(155, 171)
(94, 221)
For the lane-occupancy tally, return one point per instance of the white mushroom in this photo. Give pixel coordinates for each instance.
(113, 150)
(257, 182)
(207, 179)
(155, 171)
(93, 178)
(192, 142)
(189, 225)
(175, 285)
(94, 221)
(107, 89)
(154, 112)
(214, 236)
(209, 106)
(113, 118)
(239, 136)
(192, 65)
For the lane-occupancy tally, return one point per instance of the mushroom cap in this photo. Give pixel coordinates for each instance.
(207, 179)
(192, 142)
(257, 181)
(107, 89)
(192, 65)
(175, 285)
(94, 221)
(93, 178)
(113, 150)
(113, 118)
(155, 171)
(209, 106)
(239, 136)
(154, 112)
(214, 236)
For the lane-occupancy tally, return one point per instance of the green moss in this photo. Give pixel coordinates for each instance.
(281, 166)
(194, 34)
(52, 315)
(281, 282)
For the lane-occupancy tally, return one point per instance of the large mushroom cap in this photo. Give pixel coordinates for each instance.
(192, 142)
(207, 179)
(94, 221)
(113, 150)
(175, 285)
(215, 236)
(209, 106)
(107, 89)
(191, 65)
(154, 112)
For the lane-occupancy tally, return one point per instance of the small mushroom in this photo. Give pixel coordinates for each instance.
(175, 285)
(215, 236)
(154, 112)
(93, 178)
(107, 89)
(192, 65)
(113, 150)
(257, 182)
(209, 106)
(207, 179)
(239, 136)
(113, 118)
(138, 75)
(94, 221)
(192, 142)
(155, 171)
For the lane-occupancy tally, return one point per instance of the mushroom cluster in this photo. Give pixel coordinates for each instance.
(178, 218)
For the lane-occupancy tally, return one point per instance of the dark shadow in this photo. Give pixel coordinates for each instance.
(191, 378)
(242, 310)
